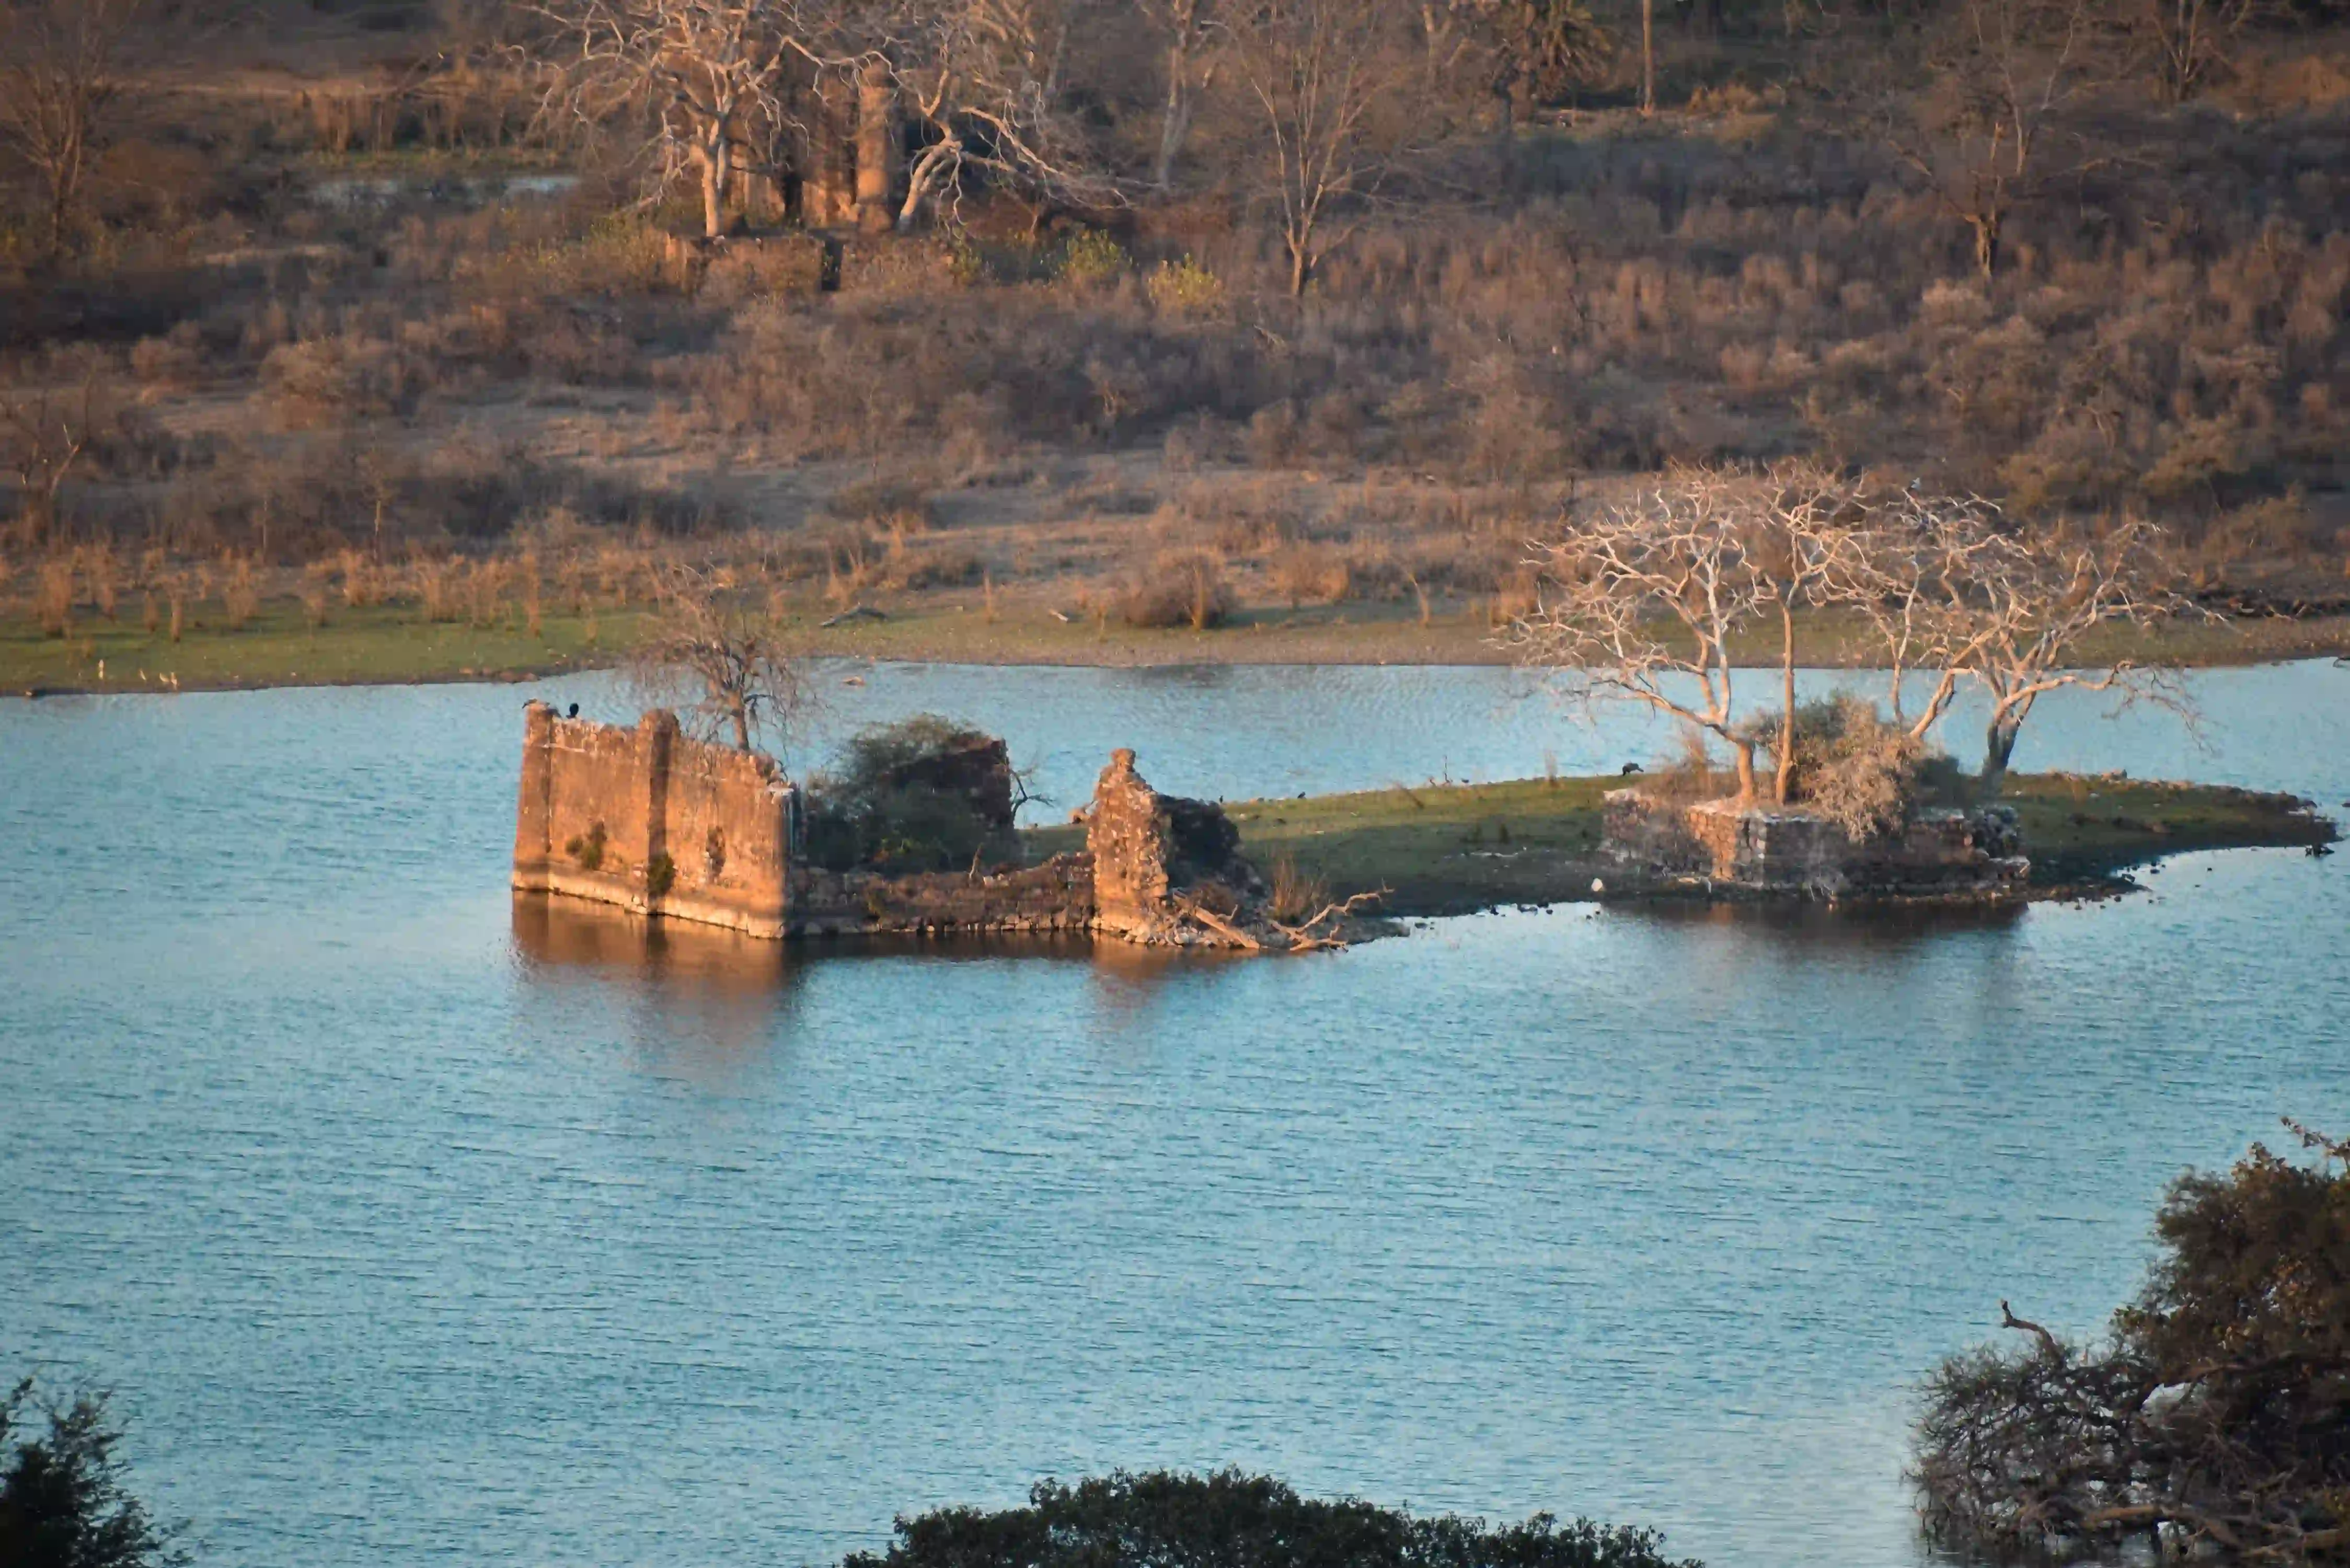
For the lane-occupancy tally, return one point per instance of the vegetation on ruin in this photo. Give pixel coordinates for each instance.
(2214, 1417)
(1445, 848)
(1231, 1520)
(357, 314)
(913, 796)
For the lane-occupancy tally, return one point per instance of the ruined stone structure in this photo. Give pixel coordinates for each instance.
(1720, 845)
(1159, 860)
(651, 821)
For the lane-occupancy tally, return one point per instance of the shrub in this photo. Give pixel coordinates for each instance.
(921, 795)
(660, 876)
(1293, 895)
(1851, 766)
(62, 1500)
(587, 848)
(1228, 1520)
(2211, 1421)
(1184, 288)
(1180, 588)
(1092, 256)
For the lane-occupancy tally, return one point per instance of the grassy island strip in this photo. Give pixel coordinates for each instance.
(392, 643)
(1452, 850)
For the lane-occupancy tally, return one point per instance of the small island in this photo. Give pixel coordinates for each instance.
(914, 835)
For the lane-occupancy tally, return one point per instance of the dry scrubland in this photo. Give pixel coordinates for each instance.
(370, 379)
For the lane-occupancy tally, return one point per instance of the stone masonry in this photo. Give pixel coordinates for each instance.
(1722, 846)
(653, 822)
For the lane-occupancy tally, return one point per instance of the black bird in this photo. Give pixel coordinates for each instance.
(574, 712)
(1630, 769)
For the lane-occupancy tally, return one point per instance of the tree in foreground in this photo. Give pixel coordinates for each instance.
(723, 660)
(62, 1500)
(2214, 1419)
(1228, 1520)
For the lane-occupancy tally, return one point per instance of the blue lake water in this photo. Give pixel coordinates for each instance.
(414, 1227)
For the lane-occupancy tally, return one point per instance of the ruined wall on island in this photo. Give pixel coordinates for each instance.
(1766, 849)
(648, 820)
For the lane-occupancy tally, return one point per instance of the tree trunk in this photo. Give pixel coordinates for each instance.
(742, 717)
(1987, 226)
(714, 192)
(1301, 265)
(1745, 751)
(1647, 57)
(1176, 122)
(1999, 748)
(1784, 785)
(876, 144)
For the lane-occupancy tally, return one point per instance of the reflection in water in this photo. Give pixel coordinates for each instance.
(1816, 925)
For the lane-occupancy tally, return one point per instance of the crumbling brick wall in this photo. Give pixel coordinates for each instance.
(1156, 857)
(1765, 850)
(651, 821)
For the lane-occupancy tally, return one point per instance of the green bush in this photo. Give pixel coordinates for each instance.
(1184, 288)
(62, 1500)
(1228, 1520)
(1092, 256)
(2214, 1421)
(925, 793)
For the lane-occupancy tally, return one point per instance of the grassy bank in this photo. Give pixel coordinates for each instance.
(1456, 849)
(280, 646)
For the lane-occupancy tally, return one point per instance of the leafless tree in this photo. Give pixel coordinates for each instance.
(61, 81)
(1643, 605)
(42, 438)
(1952, 586)
(1322, 75)
(2037, 596)
(708, 76)
(987, 90)
(1187, 27)
(1986, 136)
(2185, 40)
(1802, 528)
(1911, 572)
(725, 658)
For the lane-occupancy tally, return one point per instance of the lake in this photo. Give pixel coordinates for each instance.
(415, 1226)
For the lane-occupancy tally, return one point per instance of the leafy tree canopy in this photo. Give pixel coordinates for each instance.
(1228, 1519)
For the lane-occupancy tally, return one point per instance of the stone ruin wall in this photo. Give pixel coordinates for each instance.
(649, 821)
(1939, 853)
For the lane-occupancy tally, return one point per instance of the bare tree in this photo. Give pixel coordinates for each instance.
(1802, 528)
(2185, 40)
(42, 439)
(1643, 605)
(2036, 595)
(708, 76)
(1187, 27)
(737, 672)
(987, 93)
(1984, 135)
(61, 78)
(1911, 573)
(1322, 75)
